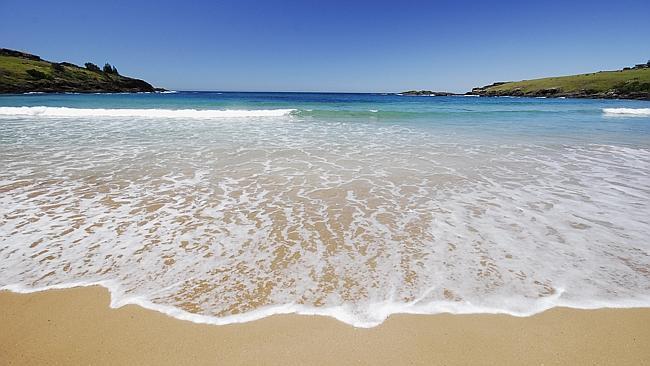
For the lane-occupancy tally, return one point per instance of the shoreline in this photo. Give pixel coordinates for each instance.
(76, 325)
(117, 300)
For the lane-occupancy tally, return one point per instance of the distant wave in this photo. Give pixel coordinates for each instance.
(145, 113)
(436, 113)
(62, 112)
(627, 111)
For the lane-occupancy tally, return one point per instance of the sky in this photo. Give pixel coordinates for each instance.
(332, 45)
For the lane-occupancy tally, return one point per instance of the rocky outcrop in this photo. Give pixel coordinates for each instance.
(640, 92)
(426, 93)
(14, 53)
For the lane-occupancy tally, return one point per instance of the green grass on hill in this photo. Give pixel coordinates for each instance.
(599, 81)
(21, 74)
(615, 83)
(15, 69)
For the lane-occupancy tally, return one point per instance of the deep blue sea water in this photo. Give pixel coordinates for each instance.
(222, 207)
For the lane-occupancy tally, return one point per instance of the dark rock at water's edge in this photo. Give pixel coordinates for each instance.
(426, 93)
(22, 72)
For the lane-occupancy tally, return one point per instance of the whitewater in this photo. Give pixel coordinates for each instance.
(229, 207)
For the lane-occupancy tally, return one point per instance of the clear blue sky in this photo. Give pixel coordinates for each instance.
(332, 45)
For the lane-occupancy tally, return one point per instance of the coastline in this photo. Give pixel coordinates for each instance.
(22, 72)
(630, 83)
(75, 326)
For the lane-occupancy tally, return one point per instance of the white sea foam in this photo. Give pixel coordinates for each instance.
(219, 222)
(43, 111)
(641, 112)
(379, 311)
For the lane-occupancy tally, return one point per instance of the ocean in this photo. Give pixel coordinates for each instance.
(224, 207)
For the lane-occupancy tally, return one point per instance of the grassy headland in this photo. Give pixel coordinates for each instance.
(23, 72)
(629, 83)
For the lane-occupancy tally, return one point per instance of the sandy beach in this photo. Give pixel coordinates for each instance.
(76, 326)
(324, 183)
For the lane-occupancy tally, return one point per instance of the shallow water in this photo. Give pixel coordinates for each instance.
(227, 207)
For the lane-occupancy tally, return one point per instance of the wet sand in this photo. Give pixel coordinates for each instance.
(76, 326)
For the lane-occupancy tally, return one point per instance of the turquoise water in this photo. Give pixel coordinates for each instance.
(566, 120)
(227, 207)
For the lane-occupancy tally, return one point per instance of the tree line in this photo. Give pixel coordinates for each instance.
(108, 68)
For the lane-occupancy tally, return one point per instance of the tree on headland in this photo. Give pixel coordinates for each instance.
(92, 67)
(110, 69)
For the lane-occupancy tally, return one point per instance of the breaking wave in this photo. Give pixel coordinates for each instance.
(641, 112)
(143, 113)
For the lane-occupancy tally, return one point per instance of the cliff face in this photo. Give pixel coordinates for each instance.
(22, 72)
(629, 83)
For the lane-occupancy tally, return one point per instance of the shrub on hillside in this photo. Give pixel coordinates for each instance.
(92, 67)
(36, 74)
(58, 67)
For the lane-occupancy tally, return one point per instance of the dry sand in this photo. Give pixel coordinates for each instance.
(76, 326)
